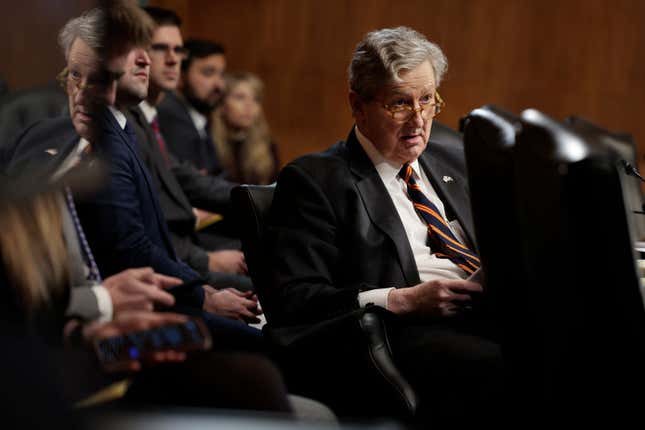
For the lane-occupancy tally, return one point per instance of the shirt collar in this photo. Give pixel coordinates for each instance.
(149, 111)
(198, 119)
(118, 115)
(386, 168)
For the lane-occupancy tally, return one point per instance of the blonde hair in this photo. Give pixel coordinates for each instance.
(33, 250)
(257, 162)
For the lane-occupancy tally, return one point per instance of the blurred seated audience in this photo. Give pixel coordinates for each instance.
(181, 185)
(184, 115)
(34, 286)
(241, 132)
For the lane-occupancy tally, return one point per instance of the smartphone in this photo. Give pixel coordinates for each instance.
(116, 352)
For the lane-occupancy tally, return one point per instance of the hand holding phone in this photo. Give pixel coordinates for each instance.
(167, 339)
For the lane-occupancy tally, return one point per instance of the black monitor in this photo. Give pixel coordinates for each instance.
(489, 144)
(554, 227)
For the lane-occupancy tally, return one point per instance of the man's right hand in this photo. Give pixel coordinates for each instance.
(438, 298)
(227, 261)
(231, 303)
(139, 289)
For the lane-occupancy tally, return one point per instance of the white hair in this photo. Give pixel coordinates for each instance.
(383, 54)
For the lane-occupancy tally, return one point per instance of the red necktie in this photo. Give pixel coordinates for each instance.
(154, 124)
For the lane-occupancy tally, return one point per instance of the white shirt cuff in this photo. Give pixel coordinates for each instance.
(104, 302)
(377, 297)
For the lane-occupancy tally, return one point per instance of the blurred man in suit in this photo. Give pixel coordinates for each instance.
(122, 221)
(184, 116)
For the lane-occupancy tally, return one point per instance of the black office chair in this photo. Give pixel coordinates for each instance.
(21, 109)
(378, 388)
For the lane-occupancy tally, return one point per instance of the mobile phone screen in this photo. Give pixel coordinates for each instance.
(189, 336)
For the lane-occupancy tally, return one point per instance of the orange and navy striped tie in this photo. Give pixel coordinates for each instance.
(442, 241)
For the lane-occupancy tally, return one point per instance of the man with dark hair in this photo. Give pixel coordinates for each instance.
(184, 117)
(179, 184)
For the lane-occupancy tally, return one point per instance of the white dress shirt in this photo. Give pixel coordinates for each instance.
(149, 111)
(199, 120)
(430, 267)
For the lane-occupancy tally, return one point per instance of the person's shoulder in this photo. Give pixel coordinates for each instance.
(324, 162)
(54, 133)
(171, 105)
(445, 139)
(41, 145)
(48, 129)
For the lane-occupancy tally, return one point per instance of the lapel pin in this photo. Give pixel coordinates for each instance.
(447, 179)
(51, 151)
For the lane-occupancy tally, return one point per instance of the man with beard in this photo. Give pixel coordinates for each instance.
(183, 117)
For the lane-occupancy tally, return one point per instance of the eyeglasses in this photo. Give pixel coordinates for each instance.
(428, 109)
(73, 83)
(165, 49)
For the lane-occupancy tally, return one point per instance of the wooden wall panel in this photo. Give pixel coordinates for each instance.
(29, 45)
(560, 56)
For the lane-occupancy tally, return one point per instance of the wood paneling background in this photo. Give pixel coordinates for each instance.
(564, 57)
(560, 56)
(29, 52)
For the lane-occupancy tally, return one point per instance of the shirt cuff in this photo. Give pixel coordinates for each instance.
(104, 302)
(377, 297)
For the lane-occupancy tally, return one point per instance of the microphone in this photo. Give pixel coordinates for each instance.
(631, 171)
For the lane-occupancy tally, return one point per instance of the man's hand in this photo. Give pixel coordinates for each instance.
(128, 322)
(231, 303)
(439, 298)
(228, 261)
(139, 289)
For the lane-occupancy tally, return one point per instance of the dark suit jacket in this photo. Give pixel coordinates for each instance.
(176, 208)
(123, 221)
(334, 231)
(182, 137)
(170, 178)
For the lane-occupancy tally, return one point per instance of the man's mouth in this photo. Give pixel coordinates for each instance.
(412, 138)
(83, 116)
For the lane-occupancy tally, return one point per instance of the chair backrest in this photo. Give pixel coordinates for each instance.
(252, 204)
(23, 108)
(445, 134)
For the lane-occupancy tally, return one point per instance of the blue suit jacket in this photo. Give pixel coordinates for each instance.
(123, 221)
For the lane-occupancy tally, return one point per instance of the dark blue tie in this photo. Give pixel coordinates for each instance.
(94, 274)
(442, 241)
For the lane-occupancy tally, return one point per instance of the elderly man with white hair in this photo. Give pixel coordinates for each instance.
(383, 219)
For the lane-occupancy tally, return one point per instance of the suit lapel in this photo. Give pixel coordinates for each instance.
(380, 208)
(164, 172)
(450, 184)
(152, 192)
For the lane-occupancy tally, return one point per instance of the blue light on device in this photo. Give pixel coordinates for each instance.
(133, 352)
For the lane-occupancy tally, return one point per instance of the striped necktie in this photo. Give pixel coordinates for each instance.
(441, 239)
(94, 274)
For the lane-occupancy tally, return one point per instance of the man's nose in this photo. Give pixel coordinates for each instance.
(143, 59)
(172, 57)
(418, 116)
